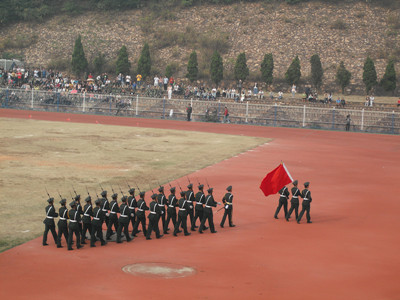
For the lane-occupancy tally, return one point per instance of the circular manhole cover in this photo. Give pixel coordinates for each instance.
(162, 270)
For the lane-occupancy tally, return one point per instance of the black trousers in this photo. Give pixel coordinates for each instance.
(182, 221)
(191, 216)
(62, 229)
(207, 216)
(171, 216)
(228, 212)
(295, 207)
(86, 227)
(52, 228)
(284, 203)
(153, 225)
(112, 221)
(77, 235)
(198, 214)
(305, 208)
(132, 220)
(140, 219)
(124, 227)
(96, 231)
(163, 217)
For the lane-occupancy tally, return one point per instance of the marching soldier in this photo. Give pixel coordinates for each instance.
(97, 223)
(132, 204)
(79, 210)
(207, 212)
(306, 195)
(86, 219)
(74, 219)
(162, 201)
(141, 215)
(294, 202)
(184, 207)
(123, 221)
(105, 206)
(62, 223)
(154, 216)
(227, 200)
(283, 197)
(198, 209)
(49, 221)
(113, 219)
(190, 198)
(171, 210)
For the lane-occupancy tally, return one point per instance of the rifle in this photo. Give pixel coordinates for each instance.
(188, 180)
(60, 195)
(74, 191)
(87, 191)
(207, 183)
(179, 186)
(72, 197)
(112, 189)
(137, 187)
(198, 181)
(121, 190)
(101, 187)
(47, 192)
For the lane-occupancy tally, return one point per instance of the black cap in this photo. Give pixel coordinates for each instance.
(131, 191)
(50, 200)
(103, 193)
(201, 186)
(190, 186)
(123, 199)
(72, 204)
(154, 196)
(172, 189)
(63, 201)
(183, 193)
(306, 184)
(142, 194)
(77, 197)
(88, 199)
(114, 196)
(97, 201)
(295, 182)
(160, 189)
(210, 190)
(229, 188)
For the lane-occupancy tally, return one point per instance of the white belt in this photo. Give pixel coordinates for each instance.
(131, 207)
(139, 209)
(208, 206)
(86, 215)
(306, 199)
(171, 206)
(113, 212)
(63, 219)
(104, 209)
(73, 221)
(295, 196)
(123, 216)
(94, 218)
(189, 201)
(161, 204)
(153, 212)
(229, 203)
(182, 209)
(49, 217)
(283, 195)
(199, 203)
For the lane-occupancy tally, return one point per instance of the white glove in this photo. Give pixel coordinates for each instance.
(107, 214)
(131, 215)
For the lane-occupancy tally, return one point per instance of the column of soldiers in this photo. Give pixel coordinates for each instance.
(131, 211)
(283, 201)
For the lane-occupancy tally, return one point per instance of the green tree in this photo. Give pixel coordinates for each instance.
(317, 73)
(241, 70)
(343, 76)
(144, 64)
(388, 81)
(192, 67)
(293, 73)
(267, 69)
(123, 65)
(169, 71)
(369, 74)
(79, 62)
(98, 63)
(216, 68)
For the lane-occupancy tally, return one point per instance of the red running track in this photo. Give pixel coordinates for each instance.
(351, 251)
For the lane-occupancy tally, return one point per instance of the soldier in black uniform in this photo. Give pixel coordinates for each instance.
(79, 210)
(154, 216)
(207, 212)
(184, 207)
(306, 195)
(74, 219)
(132, 204)
(49, 222)
(190, 198)
(97, 223)
(162, 201)
(62, 223)
(283, 197)
(171, 210)
(86, 219)
(105, 206)
(123, 221)
(198, 209)
(227, 201)
(140, 215)
(294, 202)
(113, 219)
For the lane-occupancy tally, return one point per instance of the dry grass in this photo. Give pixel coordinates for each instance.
(39, 154)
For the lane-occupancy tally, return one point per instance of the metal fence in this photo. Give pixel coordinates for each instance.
(209, 111)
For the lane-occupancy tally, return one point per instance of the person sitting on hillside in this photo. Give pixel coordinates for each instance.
(343, 102)
(398, 102)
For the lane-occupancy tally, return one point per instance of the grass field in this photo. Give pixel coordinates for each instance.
(35, 155)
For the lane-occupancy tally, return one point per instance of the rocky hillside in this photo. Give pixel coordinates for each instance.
(347, 32)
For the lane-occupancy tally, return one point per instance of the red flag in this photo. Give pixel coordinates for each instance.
(275, 180)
